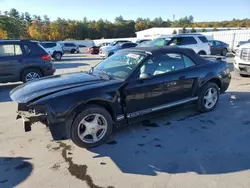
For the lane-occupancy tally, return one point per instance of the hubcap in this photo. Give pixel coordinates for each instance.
(31, 76)
(58, 56)
(92, 128)
(210, 98)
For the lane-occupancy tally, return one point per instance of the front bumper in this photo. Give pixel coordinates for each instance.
(103, 55)
(241, 66)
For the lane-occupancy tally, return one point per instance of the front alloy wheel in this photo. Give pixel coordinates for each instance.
(91, 127)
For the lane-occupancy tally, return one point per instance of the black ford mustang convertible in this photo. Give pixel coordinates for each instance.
(129, 86)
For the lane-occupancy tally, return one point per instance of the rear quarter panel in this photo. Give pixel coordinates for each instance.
(213, 71)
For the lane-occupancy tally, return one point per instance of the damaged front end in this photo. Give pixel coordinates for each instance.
(59, 127)
(31, 115)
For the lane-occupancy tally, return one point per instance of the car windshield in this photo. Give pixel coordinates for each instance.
(120, 65)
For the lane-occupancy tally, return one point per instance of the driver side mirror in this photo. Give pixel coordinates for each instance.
(144, 76)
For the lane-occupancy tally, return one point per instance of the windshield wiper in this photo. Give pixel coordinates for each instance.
(106, 74)
(91, 70)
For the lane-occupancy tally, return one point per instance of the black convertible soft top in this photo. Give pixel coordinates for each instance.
(154, 50)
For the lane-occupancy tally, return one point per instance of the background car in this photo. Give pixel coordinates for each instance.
(197, 42)
(240, 44)
(96, 49)
(70, 47)
(218, 47)
(142, 41)
(242, 60)
(54, 49)
(103, 49)
(118, 47)
(23, 61)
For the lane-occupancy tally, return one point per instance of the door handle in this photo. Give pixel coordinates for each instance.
(182, 77)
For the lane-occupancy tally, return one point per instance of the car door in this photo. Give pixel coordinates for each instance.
(219, 47)
(185, 42)
(10, 62)
(161, 82)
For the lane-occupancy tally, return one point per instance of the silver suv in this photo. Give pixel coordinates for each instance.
(54, 49)
(70, 47)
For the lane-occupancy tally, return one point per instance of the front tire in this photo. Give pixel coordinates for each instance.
(31, 74)
(91, 127)
(208, 97)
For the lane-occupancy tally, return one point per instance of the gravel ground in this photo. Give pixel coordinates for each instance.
(181, 149)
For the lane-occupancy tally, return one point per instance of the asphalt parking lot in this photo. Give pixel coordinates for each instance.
(181, 149)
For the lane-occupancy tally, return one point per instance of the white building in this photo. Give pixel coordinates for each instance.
(154, 32)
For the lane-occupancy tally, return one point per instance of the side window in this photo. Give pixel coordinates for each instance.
(217, 43)
(10, 50)
(203, 39)
(50, 45)
(188, 62)
(129, 45)
(188, 41)
(27, 49)
(163, 64)
(177, 41)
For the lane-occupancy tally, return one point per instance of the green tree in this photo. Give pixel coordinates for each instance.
(14, 13)
(215, 29)
(174, 32)
(193, 30)
(184, 30)
(27, 17)
(203, 30)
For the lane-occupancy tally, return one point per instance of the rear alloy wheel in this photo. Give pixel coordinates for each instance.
(73, 51)
(57, 56)
(224, 52)
(91, 127)
(208, 97)
(31, 74)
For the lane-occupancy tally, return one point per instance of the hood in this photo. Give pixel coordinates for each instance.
(42, 87)
(246, 45)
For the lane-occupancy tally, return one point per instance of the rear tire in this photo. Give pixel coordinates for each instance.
(204, 97)
(202, 53)
(57, 56)
(84, 126)
(244, 75)
(31, 74)
(224, 52)
(73, 51)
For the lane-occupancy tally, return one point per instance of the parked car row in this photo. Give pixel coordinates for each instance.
(197, 42)
(57, 49)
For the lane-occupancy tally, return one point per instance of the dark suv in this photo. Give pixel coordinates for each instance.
(23, 61)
